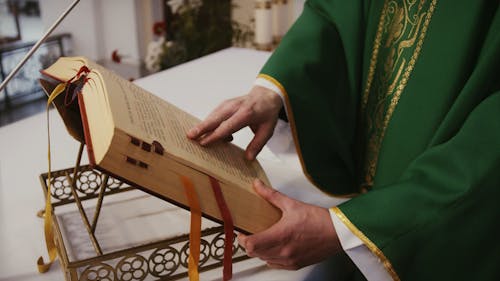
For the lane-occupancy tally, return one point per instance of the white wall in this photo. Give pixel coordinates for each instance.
(98, 27)
(119, 28)
(80, 23)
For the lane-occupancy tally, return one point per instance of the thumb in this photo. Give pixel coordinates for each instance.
(271, 195)
(242, 239)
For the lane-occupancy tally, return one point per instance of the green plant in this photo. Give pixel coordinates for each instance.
(198, 28)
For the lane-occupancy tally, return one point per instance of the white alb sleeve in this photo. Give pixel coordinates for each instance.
(269, 85)
(367, 262)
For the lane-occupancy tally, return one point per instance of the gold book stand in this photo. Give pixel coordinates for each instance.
(163, 259)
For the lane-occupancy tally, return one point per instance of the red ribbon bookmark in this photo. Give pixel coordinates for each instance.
(228, 230)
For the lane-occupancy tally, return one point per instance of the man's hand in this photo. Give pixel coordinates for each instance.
(258, 109)
(303, 236)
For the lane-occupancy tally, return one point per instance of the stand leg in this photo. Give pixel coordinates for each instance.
(72, 181)
(99, 202)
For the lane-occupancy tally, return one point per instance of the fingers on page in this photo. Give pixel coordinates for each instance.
(225, 129)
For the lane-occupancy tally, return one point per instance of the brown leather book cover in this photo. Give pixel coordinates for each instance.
(69, 113)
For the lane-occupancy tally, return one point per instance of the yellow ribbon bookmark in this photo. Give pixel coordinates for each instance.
(195, 233)
(49, 231)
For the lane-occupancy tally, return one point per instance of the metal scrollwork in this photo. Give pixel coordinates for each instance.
(132, 268)
(164, 262)
(99, 272)
(88, 182)
(87, 185)
(217, 246)
(61, 188)
(114, 183)
(204, 253)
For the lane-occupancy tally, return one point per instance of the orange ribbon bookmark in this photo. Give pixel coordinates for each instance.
(195, 233)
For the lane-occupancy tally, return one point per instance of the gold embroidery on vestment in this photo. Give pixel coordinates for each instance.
(400, 34)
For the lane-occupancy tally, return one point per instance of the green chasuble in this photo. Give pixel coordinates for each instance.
(396, 103)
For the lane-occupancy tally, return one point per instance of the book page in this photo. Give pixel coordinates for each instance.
(150, 118)
(65, 68)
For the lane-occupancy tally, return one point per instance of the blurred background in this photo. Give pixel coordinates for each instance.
(134, 38)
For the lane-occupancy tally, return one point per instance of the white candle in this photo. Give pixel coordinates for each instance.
(263, 24)
(280, 19)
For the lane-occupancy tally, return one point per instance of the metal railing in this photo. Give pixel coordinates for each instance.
(24, 86)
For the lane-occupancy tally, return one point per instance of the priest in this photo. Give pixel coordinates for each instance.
(395, 104)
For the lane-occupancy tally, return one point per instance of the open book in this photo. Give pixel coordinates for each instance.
(141, 138)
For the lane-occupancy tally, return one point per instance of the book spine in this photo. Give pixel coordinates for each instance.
(86, 131)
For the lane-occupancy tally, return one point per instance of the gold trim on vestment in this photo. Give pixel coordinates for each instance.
(369, 244)
(291, 119)
(399, 33)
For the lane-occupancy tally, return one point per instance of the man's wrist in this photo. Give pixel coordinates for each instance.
(272, 98)
(270, 86)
